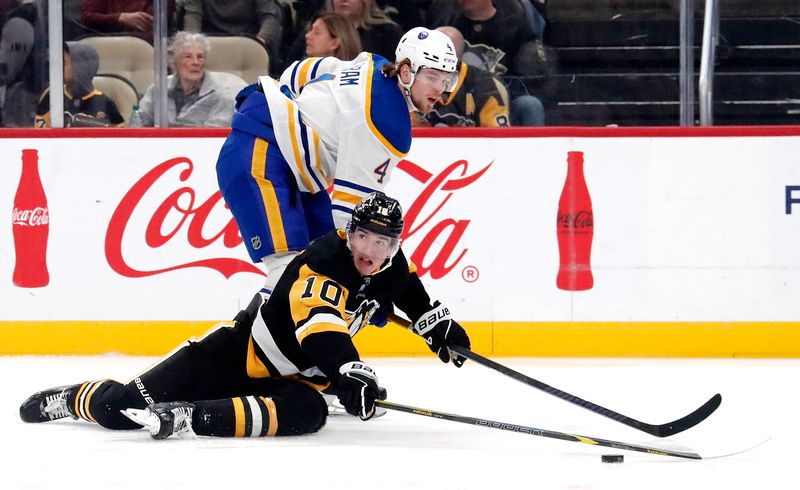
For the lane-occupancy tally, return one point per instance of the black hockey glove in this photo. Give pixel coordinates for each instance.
(440, 332)
(358, 389)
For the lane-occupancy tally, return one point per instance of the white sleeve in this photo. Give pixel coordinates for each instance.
(364, 165)
(304, 71)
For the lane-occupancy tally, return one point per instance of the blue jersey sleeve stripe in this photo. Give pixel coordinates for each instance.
(352, 185)
(341, 208)
(314, 70)
(294, 76)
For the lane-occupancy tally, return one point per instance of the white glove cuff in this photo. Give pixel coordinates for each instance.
(430, 319)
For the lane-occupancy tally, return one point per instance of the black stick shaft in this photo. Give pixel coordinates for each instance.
(491, 424)
(662, 430)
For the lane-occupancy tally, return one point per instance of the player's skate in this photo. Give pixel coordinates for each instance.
(163, 419)
(47, 405)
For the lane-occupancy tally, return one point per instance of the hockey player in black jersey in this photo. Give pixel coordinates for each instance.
(261, 375)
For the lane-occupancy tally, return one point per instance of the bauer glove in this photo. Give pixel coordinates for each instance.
(440, 332)
(358, 389)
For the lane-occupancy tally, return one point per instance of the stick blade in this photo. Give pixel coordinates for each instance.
(689, 421)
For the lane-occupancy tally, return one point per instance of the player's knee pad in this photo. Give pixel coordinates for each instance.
(300, 409)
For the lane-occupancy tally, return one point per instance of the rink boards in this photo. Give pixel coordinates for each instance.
(696, 248)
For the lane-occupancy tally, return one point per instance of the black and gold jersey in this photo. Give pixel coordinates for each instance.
(319, 303)
(479, 99)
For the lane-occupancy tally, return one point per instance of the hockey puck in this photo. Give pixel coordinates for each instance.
(612, 458)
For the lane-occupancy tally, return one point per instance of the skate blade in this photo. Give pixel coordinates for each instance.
(144, 417)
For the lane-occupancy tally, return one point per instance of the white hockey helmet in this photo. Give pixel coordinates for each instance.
(426, 48)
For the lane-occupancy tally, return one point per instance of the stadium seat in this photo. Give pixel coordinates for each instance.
(126, 56)
(118, 89)
(242, 56)
(228, 83)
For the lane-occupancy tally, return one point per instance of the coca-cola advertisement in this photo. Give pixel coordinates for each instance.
(31, 225)
(135, 230)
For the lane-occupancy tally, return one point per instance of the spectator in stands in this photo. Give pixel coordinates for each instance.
(500, 39)
(262, 19)
(193, 98)
(23, 63)
(84, 105)
(479, 98)
(379, 34)
(121, 16)
(332, 34)
(19, 98)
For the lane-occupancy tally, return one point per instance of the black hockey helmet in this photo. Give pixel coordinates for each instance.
(379, 213)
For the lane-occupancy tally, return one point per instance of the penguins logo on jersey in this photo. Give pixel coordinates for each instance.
(360, 318)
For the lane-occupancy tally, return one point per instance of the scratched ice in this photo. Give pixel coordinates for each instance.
(400, 451)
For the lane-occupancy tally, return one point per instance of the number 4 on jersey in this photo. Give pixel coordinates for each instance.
(381, 170)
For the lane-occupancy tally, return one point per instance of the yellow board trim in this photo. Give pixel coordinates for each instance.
(274, 218)
(238, 410)
(502, 339)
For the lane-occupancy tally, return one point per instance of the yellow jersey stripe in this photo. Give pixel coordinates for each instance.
(298, 159)
(274, 218)
(317, 160)
(303, 78)
(238, 411)
(272, 429)
(319, 328)
(368, 112)
(346, 197)
(255, 368)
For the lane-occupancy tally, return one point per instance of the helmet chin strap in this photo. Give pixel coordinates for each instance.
(406, 88)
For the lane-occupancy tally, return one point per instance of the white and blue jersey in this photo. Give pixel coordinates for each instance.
(326, 123)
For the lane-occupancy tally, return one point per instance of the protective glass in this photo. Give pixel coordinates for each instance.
(437, 78)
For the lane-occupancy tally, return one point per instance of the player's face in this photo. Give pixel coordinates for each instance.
(429, 85)
(369, 250)
(191, 64)
(319, 41)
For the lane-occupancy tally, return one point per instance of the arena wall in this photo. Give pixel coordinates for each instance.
(695, 253)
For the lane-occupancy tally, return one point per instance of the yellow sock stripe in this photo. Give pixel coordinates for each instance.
(298, 159)
(238, 412)
(273, 416)
(88, 399)
(78, 398)
(274, 218)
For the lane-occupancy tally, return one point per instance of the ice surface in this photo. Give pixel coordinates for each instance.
(402, 451)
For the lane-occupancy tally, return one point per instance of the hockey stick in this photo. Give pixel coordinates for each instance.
(662, 430)
(563, 436)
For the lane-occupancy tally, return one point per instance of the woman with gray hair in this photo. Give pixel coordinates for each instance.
(194, 98)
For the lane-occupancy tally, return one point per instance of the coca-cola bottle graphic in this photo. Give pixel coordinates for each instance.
(575, 229)
(31, 225)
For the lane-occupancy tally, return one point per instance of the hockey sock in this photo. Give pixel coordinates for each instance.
(100, 402)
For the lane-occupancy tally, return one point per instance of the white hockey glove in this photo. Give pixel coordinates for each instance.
(358, 389)
(440, 332)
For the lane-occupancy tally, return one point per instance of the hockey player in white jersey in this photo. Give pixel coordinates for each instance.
(326, 124)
